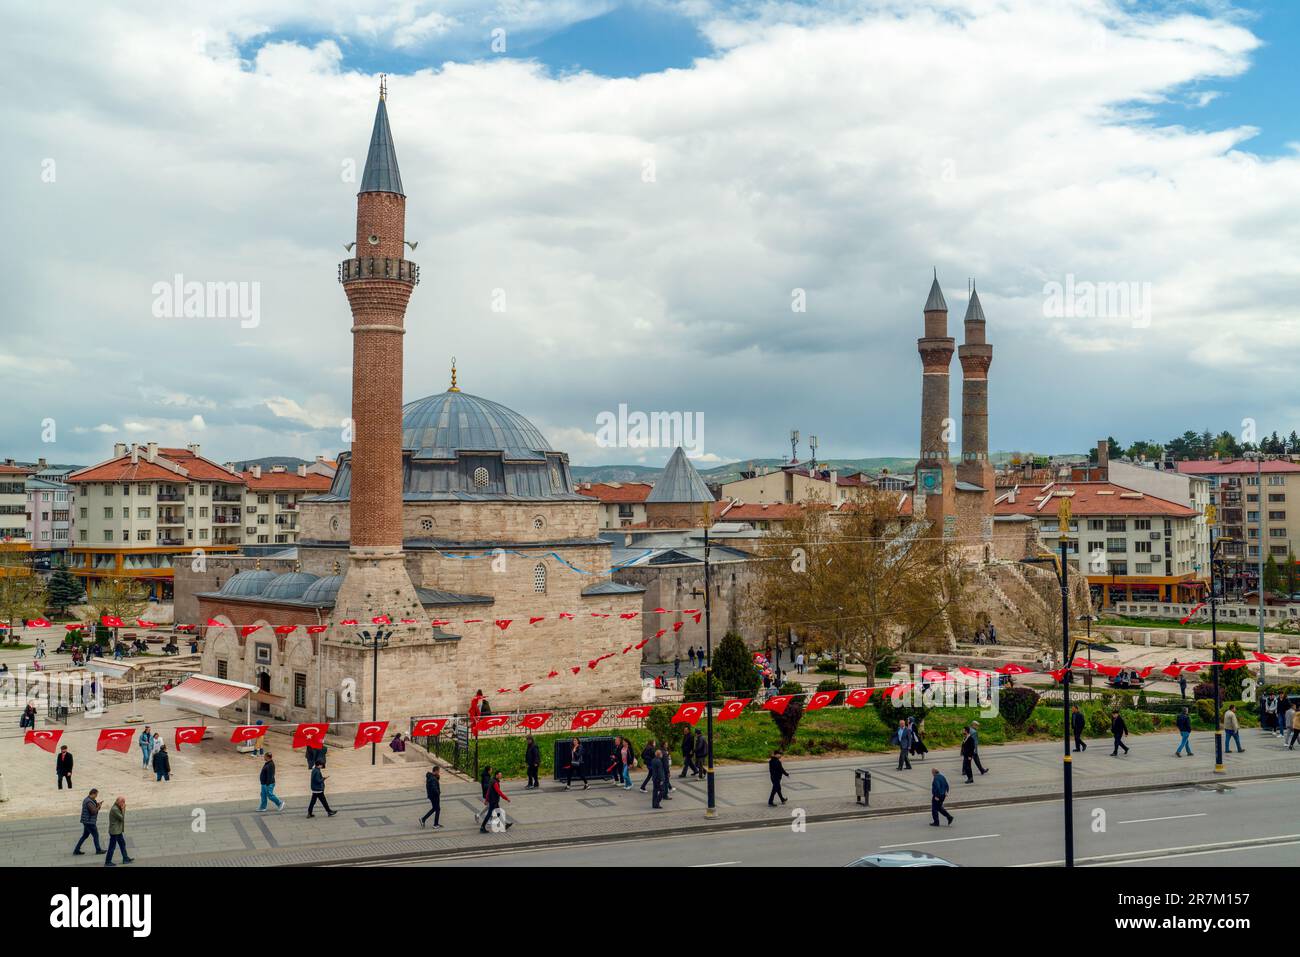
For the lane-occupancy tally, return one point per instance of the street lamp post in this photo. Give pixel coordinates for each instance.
(710, 808)
(376, 641)
(1063, 520)
(1210, 516)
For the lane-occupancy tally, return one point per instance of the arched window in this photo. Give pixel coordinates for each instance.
(539, 578)
(480, 477)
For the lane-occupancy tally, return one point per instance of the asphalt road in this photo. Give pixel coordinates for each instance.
(1226, 825)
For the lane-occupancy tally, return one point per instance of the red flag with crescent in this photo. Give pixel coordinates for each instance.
(247, 630)
(534, 721)
(490, 722)
(697, 616)
(312, 735)
(1059, 673)
(677, 625)
(503, 623)
(428, 727)
(637, 711)
(115, 739)
(628, 615)
(1260, 656)
(316, 629)
(688, 713)
(525, 686)
(778, 704)
(661, 611)
(45, 740)
(141, 623)
(370, 732)
(213, 623)
(1013, 670)
(585, 719)
(858, 697)
(111, 621)
(285, 629)
(348, 621)
(381, 620)
(897, 691)
(440, 622)
(733, 708)
(536, 618)
(184, 627)
(1085, 665)
(1110, 671)
(643, 642)
(565, 614)
(931, 675)
(820, 700)
(38, 623)
(77, 627)
(247, 732)
(189, 735)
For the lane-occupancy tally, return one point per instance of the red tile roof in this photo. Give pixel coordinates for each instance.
(616, 492)
(122, 469)
(287, 482)
(1235, 467)
(15, 470)
(1086, 498)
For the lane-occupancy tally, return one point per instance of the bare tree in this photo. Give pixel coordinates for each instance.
(23, 594)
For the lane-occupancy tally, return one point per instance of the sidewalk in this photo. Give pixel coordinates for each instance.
(379, 824)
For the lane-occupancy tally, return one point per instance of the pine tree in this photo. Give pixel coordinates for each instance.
(65, 589)
(1272, 576)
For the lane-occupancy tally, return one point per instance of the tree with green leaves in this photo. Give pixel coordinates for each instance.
(118, 597)
(734, 673)
(65, 589)
(1231, 680)
(1272, 576)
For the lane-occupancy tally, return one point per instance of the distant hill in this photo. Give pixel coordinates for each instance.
(271, 461)
(730, 473)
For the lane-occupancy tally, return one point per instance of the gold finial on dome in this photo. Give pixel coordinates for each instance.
(453, 376)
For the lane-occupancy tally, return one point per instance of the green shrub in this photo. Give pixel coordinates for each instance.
(1099, 721)
(660, 727)
(733, 668)
(695, 688)
(1015, 705)
(1205, 709)
(830, 684)
(1205, 690)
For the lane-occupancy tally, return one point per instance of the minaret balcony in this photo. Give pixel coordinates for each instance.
(402, 270)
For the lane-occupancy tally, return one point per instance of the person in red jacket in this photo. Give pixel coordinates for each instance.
(494, 798)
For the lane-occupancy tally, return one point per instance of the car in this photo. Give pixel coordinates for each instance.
(901, 859)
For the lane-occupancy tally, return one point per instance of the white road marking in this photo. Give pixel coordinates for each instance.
(1167, 857)
(946, 840)
(718, 864)
(1172, 817)
(1186, 850)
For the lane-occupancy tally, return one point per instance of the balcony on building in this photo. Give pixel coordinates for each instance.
(228, 493)
(166, 494)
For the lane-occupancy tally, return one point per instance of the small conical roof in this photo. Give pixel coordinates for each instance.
(935, 302)
(680, 482)
(974, 311)
(381, 174)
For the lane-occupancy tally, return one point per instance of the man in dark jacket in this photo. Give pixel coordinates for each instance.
(1119, 729)
(494, 798)
(533, 760)
(433, 791)
(1077, 723)
(967, 750)
(318, 780)
(162, 765)
(90, 821)
(647, 755)
(776, 771)
(659, 775)
(63, 767)
(267, 780)
(938, 791)
(1184, 723)
(688, 752)
(701, 755)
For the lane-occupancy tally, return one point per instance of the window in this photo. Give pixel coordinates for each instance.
(83, 512)
(144, 513)
(1141, 546)
(203, 534)
(221, 669)
(1094, 547)
(108, 534)
(1117, 525)
(1118, 568)
(426, 523)
(81, 535)
(143, 490)
(299, 690)
(539, 578)
(480, 477)
(143, 535)
(108, 489)
(538, 522)
(1142, 524)
(203, 511)
(203, 490)
(1116, 545)
(1277, 516)
(1096, 525)
(108, 511)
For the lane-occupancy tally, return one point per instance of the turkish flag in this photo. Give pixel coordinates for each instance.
(820, 700)
(552, 673)
(931, 675)
(534, 721)
(247, 630)
(627, 648)
(503, 691)
(697, 616)
(897, 691)
(285, 629)
(45, 740)
(38, 623)
(1260, 656)
(428, 728)
(733, 708)
(213, 623)
(628, 615)
(76, 627)
(316, 629)
(585, 719)
(1013, 670)
(598, 614)
(348, 621)
(1195, 666)
(661, 611)
(536, 618)
(1146, 671)
(381, 620)
(642, 643)
(973, 672)
(440, 622)
(472, 621)
(410, 621)
(184, 627)
(190, 735)
(858, 697)
(1184, 621)
(1059, 673)
(688, 713)
(565, 614)
(637, 711)
(111, 621)
(677, 625)
(690, 611)
(247, 732)
(310, 734)
(115, 739)
(370, 732)
(778, 704)
(503, 623)
(1085, 664)
(141, 623)
(1234, 663)
(490, 722)
(525, 686)
(576, 669)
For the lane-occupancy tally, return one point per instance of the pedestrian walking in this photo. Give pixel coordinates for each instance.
(90, 808)
(1295, 728)
(648, 755)
(266, 779)
(668, 769)
(1284, 707)
(494, 798)
(628, 757)
(318, 780)
(63, 767)
(1232, 729)
(615, 769)
(1184, 724)
(433, 791)
(918, 730)
(701, 753)
(975, 747)
(533, 761)
(162, 765)
(677, 666)
(690, 654)
(1119, 729)
(798, 662)
(903, 738)
(575, 765)
(1077, 723)
(967, 749)
(688, 752)
(146, 746)
(659, 776)
(1268, 718)
(117, 832)
(776, 771)
(938, 792)
(1182, 685)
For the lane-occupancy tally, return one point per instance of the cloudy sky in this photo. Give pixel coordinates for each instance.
(652, 190)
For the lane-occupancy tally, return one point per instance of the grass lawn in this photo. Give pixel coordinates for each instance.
(1126, 622)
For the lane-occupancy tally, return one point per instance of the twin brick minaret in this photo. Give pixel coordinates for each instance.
(378, 282)
(966, 493)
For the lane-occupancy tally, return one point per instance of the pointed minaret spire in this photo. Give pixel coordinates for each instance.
(381, 174)
(935, 302)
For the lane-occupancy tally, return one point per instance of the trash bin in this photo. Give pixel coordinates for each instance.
(862, 785)
(597, 754)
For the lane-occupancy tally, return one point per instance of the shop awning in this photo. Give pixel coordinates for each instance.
(204, 695)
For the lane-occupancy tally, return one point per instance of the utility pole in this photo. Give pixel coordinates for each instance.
(1063, 523)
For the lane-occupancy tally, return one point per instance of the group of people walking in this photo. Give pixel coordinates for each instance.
(91, 805)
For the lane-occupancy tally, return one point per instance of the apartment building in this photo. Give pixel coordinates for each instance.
(270, 505)
(1163, 481)
(13, 510)
(49, 518)
(622, 503)
(1252, 499)
(148, 507)
(1129, 544)
(794, 485)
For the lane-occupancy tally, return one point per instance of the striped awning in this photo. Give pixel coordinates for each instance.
(205, 695)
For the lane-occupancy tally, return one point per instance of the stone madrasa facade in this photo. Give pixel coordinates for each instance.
(447, 508)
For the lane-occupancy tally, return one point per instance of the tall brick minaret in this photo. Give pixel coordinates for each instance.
(934, 472)
(975, 355)
(378, 283)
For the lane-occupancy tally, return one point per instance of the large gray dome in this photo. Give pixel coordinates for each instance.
(289, 585)
(247, 584)
(439, 426)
